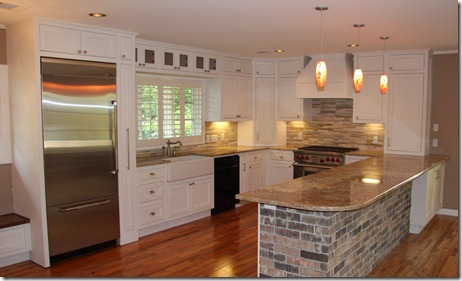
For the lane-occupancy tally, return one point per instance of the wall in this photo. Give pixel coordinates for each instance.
(6, 193)
(332, 124)
(445, 110)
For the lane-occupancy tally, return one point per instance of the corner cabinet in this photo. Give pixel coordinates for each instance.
(407, 127)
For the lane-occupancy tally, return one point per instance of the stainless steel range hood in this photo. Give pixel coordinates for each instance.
(339, 78)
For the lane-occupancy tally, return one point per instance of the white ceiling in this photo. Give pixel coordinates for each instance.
(246, 26)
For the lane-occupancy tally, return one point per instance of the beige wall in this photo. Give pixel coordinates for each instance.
(445, 113)
(6, 193)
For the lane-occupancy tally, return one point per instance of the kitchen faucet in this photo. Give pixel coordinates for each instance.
(168, 147)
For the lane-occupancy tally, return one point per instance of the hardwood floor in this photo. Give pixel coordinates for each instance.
(225, 245)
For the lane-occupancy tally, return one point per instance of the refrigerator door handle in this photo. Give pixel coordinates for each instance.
(83, 206)
(116, 152)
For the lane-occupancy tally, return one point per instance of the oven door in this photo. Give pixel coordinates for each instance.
(301, 170)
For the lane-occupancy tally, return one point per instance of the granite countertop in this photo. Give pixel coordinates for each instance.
(341, 188)
(148, 160)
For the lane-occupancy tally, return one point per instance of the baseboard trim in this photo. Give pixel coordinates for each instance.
(448, 212)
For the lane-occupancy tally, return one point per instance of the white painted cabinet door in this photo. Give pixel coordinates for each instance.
(368, 104)
(228, 97)
(255, 175)
(99, 44)
(60, 39)
(202, 194)
(264, 110)
(179, 202)
(280, 171)
(243, 95)
(290, 107)
(147, 56)
(406, 114)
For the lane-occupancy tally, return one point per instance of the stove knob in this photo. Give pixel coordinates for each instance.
(297, 156)
(307, 157)
(321, 160)
(327, 159)
(337, 160)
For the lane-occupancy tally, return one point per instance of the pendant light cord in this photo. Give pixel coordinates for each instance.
(322, 10)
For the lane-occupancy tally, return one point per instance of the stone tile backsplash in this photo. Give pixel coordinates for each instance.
(332, 124)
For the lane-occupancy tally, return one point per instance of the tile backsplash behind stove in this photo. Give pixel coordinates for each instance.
(332, 124)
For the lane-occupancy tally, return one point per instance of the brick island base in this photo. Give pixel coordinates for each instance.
(299, 243)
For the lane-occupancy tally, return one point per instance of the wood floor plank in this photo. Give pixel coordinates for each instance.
(225, 245)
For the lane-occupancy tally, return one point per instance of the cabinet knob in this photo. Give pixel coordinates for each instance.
(85, 52)
(79, 51)
(152, 174)
(123, 56)
(281, 157)
(152, 213)
(152, 191)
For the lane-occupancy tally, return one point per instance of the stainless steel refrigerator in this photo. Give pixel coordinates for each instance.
(80, 153)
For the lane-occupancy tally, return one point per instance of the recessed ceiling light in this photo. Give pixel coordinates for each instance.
(279, 51)
(261, 52)
(97, 15)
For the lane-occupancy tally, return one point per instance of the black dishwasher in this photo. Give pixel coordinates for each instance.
(226, 183)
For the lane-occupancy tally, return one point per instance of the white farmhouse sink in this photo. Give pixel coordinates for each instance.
(189, 166)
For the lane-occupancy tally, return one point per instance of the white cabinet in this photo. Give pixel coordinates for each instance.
(264, 68)
(233, 65)
(264, 110)
(190, 196)
(229, 98)
(5, 134)
(205, 63)
(14, 244)
(252, 171)
(280, 167)
(369, 105)
(147, 56)
(407, 128)
(291, 67)
(151, 190)
(291, 108)
(426, 198)
(175, 59)
(126, 45)
(75, 41)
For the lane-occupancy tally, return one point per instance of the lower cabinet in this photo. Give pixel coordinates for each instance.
(280, 168)
(15, 244)
(252, 171)
(151, 190)
(189, 196)
(426, 198)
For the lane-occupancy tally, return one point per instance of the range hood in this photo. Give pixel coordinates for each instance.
(339, 78)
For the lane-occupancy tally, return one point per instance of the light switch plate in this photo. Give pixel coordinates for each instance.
(435, 127)
(435, 142)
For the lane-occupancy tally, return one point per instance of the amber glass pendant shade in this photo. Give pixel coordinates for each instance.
(358, 80)
(383, 84)
(321, 73)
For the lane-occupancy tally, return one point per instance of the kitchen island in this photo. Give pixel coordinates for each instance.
(340, 222)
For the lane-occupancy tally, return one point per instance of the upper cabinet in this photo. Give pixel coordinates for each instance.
(233, 65)
(147, 56)
(369, 105)
(78, 42)
(408, 104)
(291, 67)
(5, 136)
(175, 59)
(264, 68)
(205, 63)
(126, 45)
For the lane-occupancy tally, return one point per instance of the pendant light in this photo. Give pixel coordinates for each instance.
(321, 68)
(383, 79)
(358, 74)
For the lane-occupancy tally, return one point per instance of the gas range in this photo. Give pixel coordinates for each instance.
(322, 155)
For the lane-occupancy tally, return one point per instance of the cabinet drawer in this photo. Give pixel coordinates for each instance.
(254, 157)
(407, 62)
(151, 214)
(156, 172)
(282, 155)
(14, 240)
(150, 191)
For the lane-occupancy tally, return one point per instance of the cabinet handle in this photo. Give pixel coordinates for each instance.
(281, 157)
(152, 191)
(79, 51)
(152, 213)
(250, 167)
(244, 167)
(85, 51)
(152, 174)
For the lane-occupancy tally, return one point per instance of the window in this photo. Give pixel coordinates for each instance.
(168, 109)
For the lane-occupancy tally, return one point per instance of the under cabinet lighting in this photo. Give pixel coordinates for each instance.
(97, 15)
